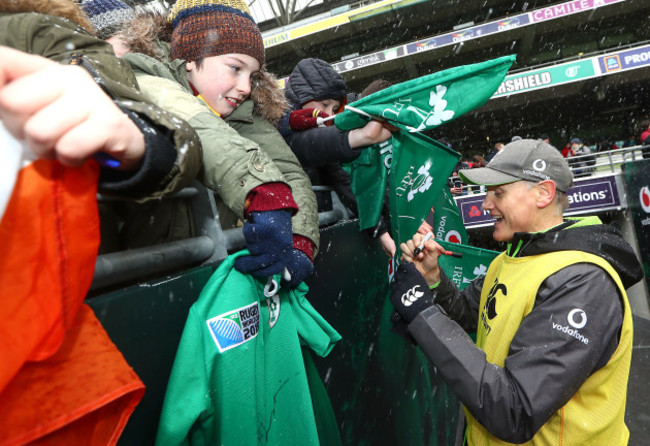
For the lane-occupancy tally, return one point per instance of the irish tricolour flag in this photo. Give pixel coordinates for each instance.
(49, 237)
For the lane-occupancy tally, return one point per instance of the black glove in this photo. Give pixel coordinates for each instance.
(400, 328)
(269, 240)
(410, 294)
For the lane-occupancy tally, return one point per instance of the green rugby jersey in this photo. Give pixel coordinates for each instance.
(239, 377)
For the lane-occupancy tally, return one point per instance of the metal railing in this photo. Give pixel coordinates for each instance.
(211, 244)
(605, 162)
(584, 166)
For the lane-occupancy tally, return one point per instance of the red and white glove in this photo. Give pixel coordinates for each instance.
(308, 118)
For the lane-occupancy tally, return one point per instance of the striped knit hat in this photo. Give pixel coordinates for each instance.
(204, 28)
(107, 16)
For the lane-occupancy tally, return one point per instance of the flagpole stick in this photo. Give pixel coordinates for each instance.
(321, 121)
(373, 117)
(358, 111)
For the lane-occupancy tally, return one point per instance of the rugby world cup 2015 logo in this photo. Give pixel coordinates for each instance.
(236, 327)
(644, 199)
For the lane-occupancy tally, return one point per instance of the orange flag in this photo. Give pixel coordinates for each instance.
(81, 395)
(49, 237)
(62, 380)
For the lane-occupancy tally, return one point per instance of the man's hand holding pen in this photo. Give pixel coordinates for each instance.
(423, 252)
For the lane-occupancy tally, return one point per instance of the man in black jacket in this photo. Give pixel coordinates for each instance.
(553, 323)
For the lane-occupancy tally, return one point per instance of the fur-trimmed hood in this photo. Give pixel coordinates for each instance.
(64, 9)
(150, 33)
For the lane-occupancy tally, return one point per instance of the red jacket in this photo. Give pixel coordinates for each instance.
(645, 135)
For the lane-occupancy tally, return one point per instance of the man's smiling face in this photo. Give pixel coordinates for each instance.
(514, 207)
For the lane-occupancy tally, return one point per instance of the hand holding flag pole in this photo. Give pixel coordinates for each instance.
(419, 166)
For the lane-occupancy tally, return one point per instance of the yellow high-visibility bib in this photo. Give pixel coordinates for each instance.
(595, 414)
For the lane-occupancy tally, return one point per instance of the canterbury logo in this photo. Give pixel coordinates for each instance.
(411, 296)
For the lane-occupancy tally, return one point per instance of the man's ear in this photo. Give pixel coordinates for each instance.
(546, 191)
(190, 66)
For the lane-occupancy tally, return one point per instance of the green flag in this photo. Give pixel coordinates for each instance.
(448, 223)
(420, 169)
(415, 105)
(472, 265)
(429, 101)
(369, 177)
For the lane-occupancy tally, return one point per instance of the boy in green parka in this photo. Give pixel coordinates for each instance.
(208, 83)
(157, 153)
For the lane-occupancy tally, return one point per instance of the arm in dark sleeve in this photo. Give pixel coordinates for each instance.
(545, 366)
(338, 179)
(321, 145)
(157, 163)
(461, 306)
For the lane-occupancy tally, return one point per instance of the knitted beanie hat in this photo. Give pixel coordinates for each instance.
(107, 16)
(204, 28)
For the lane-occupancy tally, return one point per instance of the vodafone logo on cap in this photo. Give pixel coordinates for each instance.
(539, 165)
(644, 199)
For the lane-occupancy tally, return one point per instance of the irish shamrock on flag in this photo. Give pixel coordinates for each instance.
(416, 166)
(420, 170)
(474, 263)
(429, 101)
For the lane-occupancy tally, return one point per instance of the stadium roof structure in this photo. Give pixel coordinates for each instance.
(581, 67)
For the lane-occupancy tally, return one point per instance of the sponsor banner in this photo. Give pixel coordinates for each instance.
(321, 25)
(455, 37)
(589, 195)
(369, 59)
(575, 71)
(505, 24)
(471, 209)
(546, 77)
(276, 39)
(599, 193)
(625, 60)
(467, 34)
(637, 184)
(568, 8)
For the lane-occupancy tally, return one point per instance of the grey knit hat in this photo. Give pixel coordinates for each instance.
(107, 16)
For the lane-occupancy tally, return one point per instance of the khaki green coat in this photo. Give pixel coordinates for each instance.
(59, 39)
(233, 165)
(259, 130)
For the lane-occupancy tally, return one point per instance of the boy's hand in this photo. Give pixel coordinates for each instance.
(307, 118)
(269, 240)
(373, 132)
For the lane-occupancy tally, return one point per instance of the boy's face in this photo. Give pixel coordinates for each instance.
(329, 106)
(223, 81)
